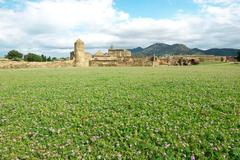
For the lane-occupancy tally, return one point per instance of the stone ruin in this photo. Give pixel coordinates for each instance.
(123, 57)
(80, 58)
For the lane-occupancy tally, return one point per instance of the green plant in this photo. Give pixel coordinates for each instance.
(31, 57)
(44, 58)
(121, 113)
(54, 59)
(49, 59)
(14, 55)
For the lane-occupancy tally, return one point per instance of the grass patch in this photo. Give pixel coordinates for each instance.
(121, 113)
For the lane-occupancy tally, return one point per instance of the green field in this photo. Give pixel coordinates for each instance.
(121, 113)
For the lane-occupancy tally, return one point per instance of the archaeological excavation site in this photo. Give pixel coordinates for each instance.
(114, 57)
(124, 57)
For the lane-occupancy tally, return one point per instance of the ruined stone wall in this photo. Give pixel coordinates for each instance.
(23, 64)
(119, 53)
(205, 58)
(103, 63)
(121, 62)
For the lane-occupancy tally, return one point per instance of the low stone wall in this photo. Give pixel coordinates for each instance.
(16, 65)
(103, 63)
(121, 62)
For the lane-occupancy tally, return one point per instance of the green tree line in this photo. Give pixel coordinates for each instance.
(30, 57)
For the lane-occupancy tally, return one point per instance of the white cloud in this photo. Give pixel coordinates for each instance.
(57, 23)
(51, 26)
(216, 1)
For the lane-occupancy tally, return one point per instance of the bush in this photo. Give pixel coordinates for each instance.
(14, 55)
(195, 62)
(31, 57)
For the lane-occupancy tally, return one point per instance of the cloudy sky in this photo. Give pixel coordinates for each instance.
(52, 26)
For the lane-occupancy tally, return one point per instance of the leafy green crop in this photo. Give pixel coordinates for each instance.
(121, 113)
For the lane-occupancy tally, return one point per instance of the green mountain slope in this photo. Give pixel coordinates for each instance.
(161, 49)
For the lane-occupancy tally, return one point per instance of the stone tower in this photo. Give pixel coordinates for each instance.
(79, 54)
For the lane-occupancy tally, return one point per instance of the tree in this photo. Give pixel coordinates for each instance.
(49, 59)
(31, 57)
(14, 55)
(54, 59)
(238, 57)
(44, 58)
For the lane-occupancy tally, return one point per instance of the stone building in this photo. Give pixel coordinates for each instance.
(123, 57)
(114, 57)
(99, 54)
(119, 53)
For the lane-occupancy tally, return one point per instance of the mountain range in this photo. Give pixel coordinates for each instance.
(161, 49)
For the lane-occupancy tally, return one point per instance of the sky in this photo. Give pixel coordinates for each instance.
(50, 27)
(155, 8)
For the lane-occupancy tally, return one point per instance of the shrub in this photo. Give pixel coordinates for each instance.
(195, 62)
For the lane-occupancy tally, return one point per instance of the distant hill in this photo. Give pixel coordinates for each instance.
(222, 52)
(217, 51)
(161, 49)
(137, 50)
(197, 50)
